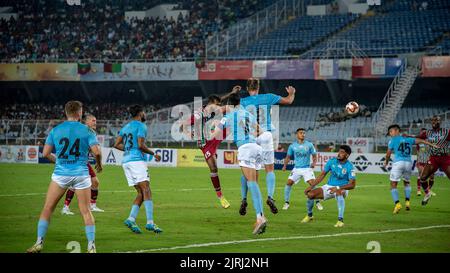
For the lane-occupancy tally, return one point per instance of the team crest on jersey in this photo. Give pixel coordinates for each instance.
(344, 171)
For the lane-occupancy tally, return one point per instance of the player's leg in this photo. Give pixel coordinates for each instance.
(419, 171)
(244, 190)
(396, 176)
(131, 220)
(84, 198)
(340, 199)
(54, 194)
(428, 170)
(69, 196)
(309, 177)
(270, 181)
(94, 194)
(211, 161)
(148, 204)
(255, 192)
(407, 184)
(395, 196)
(287, 192)
(316, 193)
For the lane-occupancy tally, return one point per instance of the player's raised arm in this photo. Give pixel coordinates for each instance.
(97, 152)
(422, 141)
(236, 89)
(289, 99)
(119, 143)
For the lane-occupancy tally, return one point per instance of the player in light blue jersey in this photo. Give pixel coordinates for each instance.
(244, 128)
(401, 147)
(131, 141)
(72, 142)
(260, 106)
(301, 151)
(342, 180)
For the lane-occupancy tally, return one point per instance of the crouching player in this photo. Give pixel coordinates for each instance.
(72, 141)
(342, 180)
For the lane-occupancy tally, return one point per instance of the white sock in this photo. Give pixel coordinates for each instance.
(150, 222)
(40, 240)
(91, 244)
(132, 219)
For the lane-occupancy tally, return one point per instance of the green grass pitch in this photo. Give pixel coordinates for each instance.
(187, 209)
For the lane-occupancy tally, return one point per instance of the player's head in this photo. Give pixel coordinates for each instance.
(393, 130)
(423, 129)
(137, 112)
(436, 122)
(91, 121)
(301, 133)
(231, 102)
(253, 86)
(213, 105)
(74, 110)
(344, 152)
(213, 99)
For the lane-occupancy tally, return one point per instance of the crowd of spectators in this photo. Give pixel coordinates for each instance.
(98, 29)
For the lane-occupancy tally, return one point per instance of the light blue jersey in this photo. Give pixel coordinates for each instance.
(242, 126)
(130, 134)
(72, 141)
(301, 152)
(402, 147)
(341, 174)
(262, 106)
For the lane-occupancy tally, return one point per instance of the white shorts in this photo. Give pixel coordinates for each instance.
(265, 140)
(299, 173)
(327, 195)
(249, 156)
(135, 172)
(401, 169)
(73, 182)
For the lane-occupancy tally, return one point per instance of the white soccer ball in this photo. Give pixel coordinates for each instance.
(352, 108)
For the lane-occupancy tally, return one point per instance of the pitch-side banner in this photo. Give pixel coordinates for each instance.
(376, 67)
(226, 70)
(19, 154)
(39, 72)
(173, 71)
(284, 69)
(436, 66)
(111, 156)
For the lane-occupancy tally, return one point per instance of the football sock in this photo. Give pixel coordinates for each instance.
(216, 183)
(90, 233)
(244, 187)
(425, 186)
(431, 183)
(341, 206)
(309, 206)
(256, 197)
(418, 184)
(149, 211)
(133, 213)
(69, 195)
(287, 193)
(394, 193)
(94, 194)
(270, 180)
(41, 230)
(407, 192)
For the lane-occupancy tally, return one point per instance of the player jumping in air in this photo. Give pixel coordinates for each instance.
(439, 156)
(301, 150)
(342, 180)
(91, 122)
(208, 145)
(72, 141)
(131, 140)
(423, 154)
(401, 146)
(260, 105)
(244, 128)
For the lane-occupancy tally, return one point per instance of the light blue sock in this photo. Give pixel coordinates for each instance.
(90, 233)
(394, 193)
(341, 207)
(149, 211)
(42, 229)
(256, 197)
(270, 180)
(408, 192)
(310, 206)
(244, 188)
(133, 213)
(287, 193)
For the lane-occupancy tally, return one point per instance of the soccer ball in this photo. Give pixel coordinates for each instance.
(352, 107)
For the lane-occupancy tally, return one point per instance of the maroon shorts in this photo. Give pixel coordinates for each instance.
(91, 171)
(440, 162)
(210, 148)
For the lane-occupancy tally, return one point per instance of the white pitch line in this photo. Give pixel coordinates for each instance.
(286, 238)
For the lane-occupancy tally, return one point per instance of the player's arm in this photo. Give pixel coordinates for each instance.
(289, 99)
(143, 147)
(423, 141)
(316, 181)
(350, 186)
(119, 143)
(47, 153)
(286, 161)
(387, 157)
(97, 152)
(236, 89)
